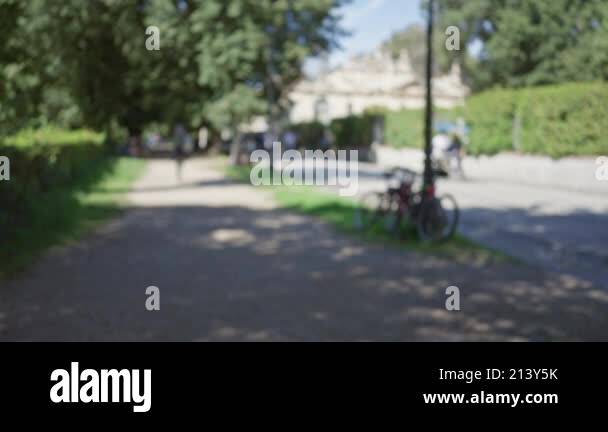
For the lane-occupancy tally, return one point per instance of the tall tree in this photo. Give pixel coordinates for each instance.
(212, 66)
(252, 49)
(413, 41)
(21, 76)
(532, 42)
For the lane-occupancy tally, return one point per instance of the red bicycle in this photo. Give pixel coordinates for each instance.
(434, 217)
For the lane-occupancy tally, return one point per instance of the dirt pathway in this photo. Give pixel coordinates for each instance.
(231, 266)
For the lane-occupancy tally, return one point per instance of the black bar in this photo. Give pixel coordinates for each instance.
(189, 379)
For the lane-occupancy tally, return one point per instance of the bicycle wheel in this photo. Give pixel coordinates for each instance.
(371, 210)
(397, 221)
(438, 219)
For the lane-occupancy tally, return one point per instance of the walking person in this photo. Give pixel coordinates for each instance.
(179, 148)
(290, 140)
(441, 144)
(327, 140)
(455, 151)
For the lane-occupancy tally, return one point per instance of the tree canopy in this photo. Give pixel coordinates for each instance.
(413, 40)
(219, 60)
(530, 42)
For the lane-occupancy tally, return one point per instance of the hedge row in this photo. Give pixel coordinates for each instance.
(353, 132)
(40, 161)
(558, 120)
(564, 120)
(310, 134)
(405, 128)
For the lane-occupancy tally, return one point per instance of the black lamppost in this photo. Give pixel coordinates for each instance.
(271, 118)
(428, 126)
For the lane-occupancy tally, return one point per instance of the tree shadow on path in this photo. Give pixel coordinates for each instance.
(233, 273)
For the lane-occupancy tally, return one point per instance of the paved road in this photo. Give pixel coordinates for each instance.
(558, 229)
(230, 266)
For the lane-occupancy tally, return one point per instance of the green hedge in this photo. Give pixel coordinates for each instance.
(565, 120)
(405, 128)
(353, 132)
(489, 116)
(560, 120)
(39, 162)
(557, 121)
(309, 134)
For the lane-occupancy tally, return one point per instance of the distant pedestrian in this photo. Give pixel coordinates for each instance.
(455, 152)
(290, 140)
(203, 138)
(441, 143)
(180, 137)
(327, 140)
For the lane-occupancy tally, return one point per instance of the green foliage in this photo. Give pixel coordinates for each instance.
(76, 63)
(339, 212)
(309, 134)
(39, 162)
(556, 120)
(490, 116)
(48, 197)
(405, 128)
(235, 107)
(64, 213)
(413, 40)
(531, 42)
(52, 137)
(353, 132)
(20, 77)
(259, 44)
(564, 120)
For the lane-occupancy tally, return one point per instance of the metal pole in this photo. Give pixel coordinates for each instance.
(270, 98)
(428, 126)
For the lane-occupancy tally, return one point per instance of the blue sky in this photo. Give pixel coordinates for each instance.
(371, 22)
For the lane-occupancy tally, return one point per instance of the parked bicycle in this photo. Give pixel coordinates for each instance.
(434, 217)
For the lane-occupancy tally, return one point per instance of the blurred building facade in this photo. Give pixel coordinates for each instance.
(373, 80)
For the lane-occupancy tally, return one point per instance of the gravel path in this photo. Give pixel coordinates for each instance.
(231, 266)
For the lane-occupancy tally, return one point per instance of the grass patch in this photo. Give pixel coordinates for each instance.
(53, 136)
(340, 212)
(65, 213)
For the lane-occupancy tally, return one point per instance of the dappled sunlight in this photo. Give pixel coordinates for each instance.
(199, 186)
(296, 281)
(347, 252)
(284, 220)
(230, 237)
(358, 271)
(571, 242)
(231, 267)
(227, 333)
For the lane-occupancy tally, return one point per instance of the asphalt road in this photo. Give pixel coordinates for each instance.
(555, 228)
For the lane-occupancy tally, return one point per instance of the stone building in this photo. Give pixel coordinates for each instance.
(372, 80)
